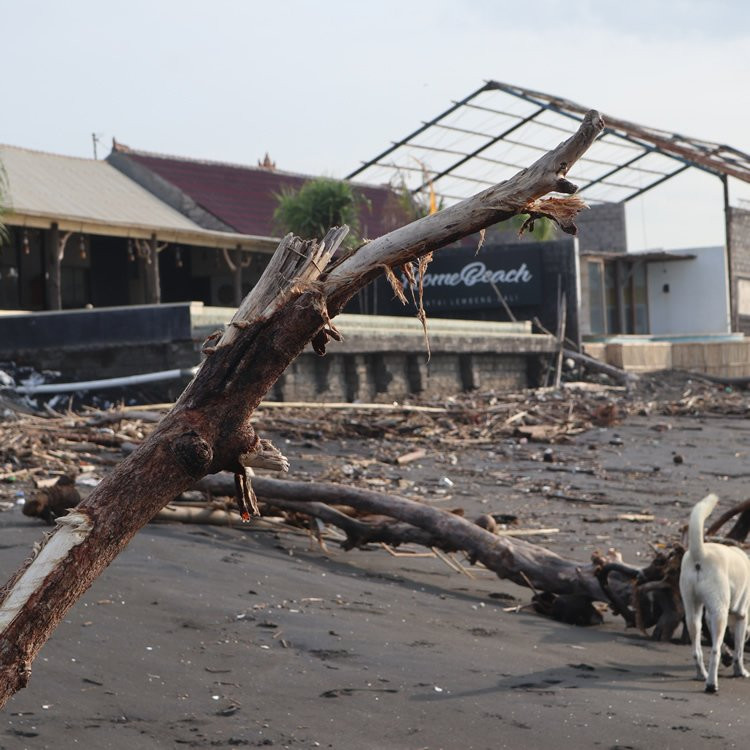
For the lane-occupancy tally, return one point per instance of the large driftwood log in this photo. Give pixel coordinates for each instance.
(520, 561)
(209, 428)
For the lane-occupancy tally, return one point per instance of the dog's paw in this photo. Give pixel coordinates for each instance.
(712, 688)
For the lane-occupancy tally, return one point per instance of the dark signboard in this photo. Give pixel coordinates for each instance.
(463, 279)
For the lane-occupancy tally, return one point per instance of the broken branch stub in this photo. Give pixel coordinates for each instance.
(209, 427)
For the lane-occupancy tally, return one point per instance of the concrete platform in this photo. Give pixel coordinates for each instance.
(724, 355)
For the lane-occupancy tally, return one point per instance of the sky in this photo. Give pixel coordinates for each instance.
(322, 86)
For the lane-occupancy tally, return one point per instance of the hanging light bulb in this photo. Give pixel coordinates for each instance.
(82, 247)
(178, 258)
(131, 252)
(25, 243)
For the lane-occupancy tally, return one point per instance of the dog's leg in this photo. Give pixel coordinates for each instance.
(694, 620)
(717, 623)
(740, 630)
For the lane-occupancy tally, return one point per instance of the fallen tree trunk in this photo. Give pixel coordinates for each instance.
(209, 428)
(522, 562)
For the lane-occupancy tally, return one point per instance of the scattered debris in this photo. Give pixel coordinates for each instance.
(50, 459)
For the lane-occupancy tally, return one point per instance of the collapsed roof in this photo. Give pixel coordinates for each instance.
(500, 129)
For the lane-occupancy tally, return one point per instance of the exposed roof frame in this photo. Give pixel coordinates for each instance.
(664, 148)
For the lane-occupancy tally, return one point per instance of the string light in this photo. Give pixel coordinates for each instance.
(25, 243)
(82, 247)
(178, 258)
(131, 252)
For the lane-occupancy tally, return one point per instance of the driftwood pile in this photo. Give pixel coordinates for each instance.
(56, 458)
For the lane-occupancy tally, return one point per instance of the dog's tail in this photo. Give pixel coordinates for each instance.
(698, 516)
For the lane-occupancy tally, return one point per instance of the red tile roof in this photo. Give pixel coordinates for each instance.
(244, 197)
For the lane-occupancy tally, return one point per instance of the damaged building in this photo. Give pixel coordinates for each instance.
(154, 251)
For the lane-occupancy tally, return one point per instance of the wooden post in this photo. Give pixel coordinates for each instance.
(237, 276)
(54, 253)
(153, 283)
(562, 319)
(53, 287)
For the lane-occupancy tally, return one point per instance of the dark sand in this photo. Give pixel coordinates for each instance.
(213, 637)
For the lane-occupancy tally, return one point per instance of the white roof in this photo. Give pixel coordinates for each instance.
(92, 196)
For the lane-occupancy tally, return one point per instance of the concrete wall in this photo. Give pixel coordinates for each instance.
(380, 359)
(104, 326)
(601, 229)
(689, 296)
(399, 376)
(725, 358)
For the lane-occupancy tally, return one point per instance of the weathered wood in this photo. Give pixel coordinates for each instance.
(54, 252)
(52, 263)
(151, 265)
(618, 375)
(237, 277)
(209, 428)
(741, 527)
(520, 561)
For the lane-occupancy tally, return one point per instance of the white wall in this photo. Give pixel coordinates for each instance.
(697, 300)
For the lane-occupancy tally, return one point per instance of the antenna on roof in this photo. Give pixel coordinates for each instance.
(95, 138)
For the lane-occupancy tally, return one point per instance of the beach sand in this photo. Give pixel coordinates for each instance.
(225, 637)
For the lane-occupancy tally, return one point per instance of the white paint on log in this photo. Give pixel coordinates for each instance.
(72, 530)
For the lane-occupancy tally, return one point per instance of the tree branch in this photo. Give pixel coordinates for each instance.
(520, 561)
(209, 428)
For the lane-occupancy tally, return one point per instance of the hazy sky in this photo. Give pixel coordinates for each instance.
(324, 85)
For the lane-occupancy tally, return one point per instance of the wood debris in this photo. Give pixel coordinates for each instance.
(57, 457)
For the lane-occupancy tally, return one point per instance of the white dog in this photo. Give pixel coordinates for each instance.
(715, 577)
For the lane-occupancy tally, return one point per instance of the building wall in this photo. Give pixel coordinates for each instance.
(601, 229)
(689, 296)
